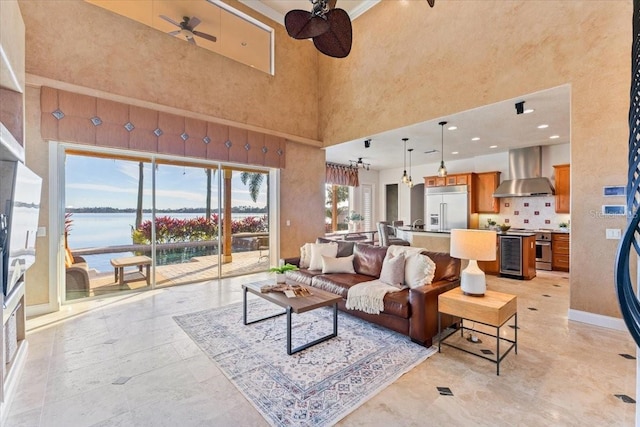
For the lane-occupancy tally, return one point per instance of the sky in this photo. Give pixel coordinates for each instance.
(98, 182)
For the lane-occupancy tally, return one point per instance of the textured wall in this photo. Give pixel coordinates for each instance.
(123, 57)
(301, 198)
(411, 63)
(123, 60)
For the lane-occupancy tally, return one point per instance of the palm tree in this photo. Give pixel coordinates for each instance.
(255, 180)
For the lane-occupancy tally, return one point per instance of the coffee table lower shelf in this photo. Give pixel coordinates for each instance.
(296, 305)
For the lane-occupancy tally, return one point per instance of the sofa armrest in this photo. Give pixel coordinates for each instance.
(423, 324)
(295, 261)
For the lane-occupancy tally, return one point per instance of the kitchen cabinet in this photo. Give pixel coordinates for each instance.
(560, 254)
(484, 185)
(492, 267)
(452, 179)
(563, 187)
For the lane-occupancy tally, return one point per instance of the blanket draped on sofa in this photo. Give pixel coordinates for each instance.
(369, 296)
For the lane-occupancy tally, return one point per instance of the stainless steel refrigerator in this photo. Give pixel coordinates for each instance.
(446, 207)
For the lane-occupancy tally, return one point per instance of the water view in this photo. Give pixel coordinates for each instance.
(93, 230)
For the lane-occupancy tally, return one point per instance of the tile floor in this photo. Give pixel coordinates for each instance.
(123, 361)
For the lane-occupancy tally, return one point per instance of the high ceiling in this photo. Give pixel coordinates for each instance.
(496, 125)
(276, 9)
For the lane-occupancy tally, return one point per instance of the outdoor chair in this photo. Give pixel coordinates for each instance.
(263, 246)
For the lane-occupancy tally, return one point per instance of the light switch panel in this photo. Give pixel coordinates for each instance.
(614, 233)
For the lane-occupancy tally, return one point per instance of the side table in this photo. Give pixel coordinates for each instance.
(493, 309)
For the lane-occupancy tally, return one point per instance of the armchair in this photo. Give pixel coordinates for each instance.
(77, 278)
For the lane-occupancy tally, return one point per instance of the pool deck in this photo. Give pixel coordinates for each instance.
(200, 269)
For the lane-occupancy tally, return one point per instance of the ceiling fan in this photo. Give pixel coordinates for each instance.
(187, 29)
(330, 28)
(359, 164)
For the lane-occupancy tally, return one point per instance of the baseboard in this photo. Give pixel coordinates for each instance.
(40, 309)
(597, 320)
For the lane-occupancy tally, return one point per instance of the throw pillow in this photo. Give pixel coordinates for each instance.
(337, 265)
(320, 249)
(305, 255)
(419, 269)
(68, 258)
(393, 270)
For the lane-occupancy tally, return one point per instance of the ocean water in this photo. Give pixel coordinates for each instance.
(91, 230)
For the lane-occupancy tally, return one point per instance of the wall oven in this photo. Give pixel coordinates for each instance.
(543, 250)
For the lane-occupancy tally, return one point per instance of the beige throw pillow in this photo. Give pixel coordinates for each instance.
(320, 249)
(418, 269)
(393, 270)
(337, 265)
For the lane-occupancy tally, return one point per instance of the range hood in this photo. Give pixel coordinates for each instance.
(525, 171)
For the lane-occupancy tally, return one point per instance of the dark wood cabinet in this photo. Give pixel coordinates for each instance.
(560, 257)
(484, 185)
(563, 188)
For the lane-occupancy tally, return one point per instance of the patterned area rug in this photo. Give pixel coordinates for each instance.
(315, 387)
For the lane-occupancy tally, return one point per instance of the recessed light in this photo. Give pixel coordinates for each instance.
(454, 152)
(475, 138)
(243, 44)
(452, 127)
(554, 137)
(543, 126)
(493, 146)
(529, 110)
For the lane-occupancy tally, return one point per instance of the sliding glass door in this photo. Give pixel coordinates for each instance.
(135, 222)
(107, 198)
(186, 223)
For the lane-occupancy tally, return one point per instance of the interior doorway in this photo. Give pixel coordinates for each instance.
(391, 202)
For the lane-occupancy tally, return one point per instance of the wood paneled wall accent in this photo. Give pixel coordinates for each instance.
(71, 117)
(12, 113)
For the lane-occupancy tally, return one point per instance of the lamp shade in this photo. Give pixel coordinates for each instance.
(479, 245)
(474, 245)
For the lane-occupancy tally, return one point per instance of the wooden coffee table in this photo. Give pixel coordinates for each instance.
(298, 305)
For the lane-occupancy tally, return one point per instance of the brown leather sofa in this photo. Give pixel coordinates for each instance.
(412, 312)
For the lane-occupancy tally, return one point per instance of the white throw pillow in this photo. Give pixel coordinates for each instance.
(321, 249)
(337, 265)
(418, 269)
(305, 255)
(393, 270)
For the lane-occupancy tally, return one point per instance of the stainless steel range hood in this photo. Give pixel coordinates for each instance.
(525, 171)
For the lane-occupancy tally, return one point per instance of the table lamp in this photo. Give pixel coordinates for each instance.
(474, 245)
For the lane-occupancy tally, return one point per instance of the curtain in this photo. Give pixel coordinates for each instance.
(341, 175)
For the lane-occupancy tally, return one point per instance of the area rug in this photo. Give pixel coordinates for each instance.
(315, 387)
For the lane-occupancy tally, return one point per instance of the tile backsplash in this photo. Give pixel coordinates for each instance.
(526, 212)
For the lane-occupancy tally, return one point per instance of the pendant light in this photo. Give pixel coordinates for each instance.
(442, 170)
(405, 178)
(410, 183)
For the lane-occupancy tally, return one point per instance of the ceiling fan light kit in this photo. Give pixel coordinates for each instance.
(442, 170)
(359, 164)
(187, 29)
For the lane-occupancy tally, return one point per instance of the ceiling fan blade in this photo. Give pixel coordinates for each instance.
(171, 21)
(431, 2)
(192, 40)
(337, 41)
(175, 33)
(193, 22)
(205, 36)
(300, 24)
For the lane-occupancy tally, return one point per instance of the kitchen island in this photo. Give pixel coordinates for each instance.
(437, 241)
